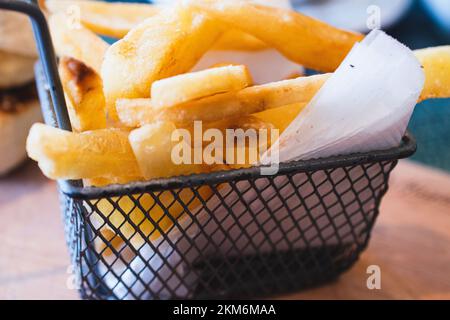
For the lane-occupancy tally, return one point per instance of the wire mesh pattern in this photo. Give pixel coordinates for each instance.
(238, 238)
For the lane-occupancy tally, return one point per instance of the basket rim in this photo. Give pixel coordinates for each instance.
(73, 189)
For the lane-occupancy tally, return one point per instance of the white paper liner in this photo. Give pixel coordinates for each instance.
(364, 106)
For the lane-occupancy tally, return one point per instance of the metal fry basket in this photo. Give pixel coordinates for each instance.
(225, 234)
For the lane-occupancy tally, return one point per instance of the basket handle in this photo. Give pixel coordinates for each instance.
(46, 53)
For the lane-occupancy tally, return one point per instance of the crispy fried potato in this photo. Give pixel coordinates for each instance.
(84, 91)
(240, 41)
(175, 90)
(165, 45)
(152, 145)
(75, 41)
(245, 153)
(108, 19)
(15, 70)
(136, 112)
(91, 154)
(17, 34)
(301, 39)
(101, 182)
(436, 64)
(115, 20)
(109, 239)
(140, 218)
(281, 117)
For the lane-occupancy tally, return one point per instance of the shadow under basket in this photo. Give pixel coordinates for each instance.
(225, 234)
(235, 234)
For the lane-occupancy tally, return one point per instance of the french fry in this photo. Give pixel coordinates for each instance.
(108, 19)
(101, 182)
(165, 45)
(436, 64)
(152, 145)
(111, 239)
(137, 112)
(300, 38)
(175, 90)
(115, 20)
(84, 91)
(237, 40)
(75, 41)
(281, 117)
(91, 154)
(244, 153)
(141, 218)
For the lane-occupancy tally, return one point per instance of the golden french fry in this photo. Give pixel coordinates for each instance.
(136, 112)
(101, 181)
(302, 39)
(191, 86)
(84, 91)
(245, 150)
(237, 40)
(109, 19)
(153, 146)
(165, 45)
(111, 239)
(436, 64)
(140, 218)
(281, 117)
(91, 154)
(75, 41)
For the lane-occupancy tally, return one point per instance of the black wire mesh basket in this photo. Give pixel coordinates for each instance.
(218, 235)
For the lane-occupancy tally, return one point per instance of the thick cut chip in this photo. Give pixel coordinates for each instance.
(281, 117)
(237, 40)
(436, 64)
(115, 20)
(84, 91)
(91, 154)
(165, 45)
(143, 218)
(302, 39)
(153, 147)
(136, 112)
(244, 139)
(101, 182)
(109, 19)
(73, 40)
(191, 86)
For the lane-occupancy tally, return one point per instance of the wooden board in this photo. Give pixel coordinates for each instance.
(410, 242)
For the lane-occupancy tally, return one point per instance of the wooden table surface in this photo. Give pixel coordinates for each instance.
(410, 242)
